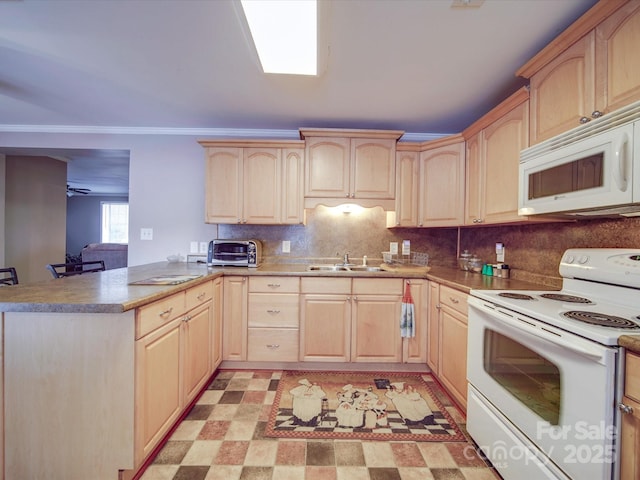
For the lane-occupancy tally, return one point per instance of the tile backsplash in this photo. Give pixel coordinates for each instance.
(532, 251)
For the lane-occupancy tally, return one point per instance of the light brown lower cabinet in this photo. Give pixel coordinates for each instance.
(447, 340)
(173, 360)
(630, 441)
(234, 318)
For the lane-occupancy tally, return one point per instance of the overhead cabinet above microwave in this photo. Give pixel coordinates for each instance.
(590, 171)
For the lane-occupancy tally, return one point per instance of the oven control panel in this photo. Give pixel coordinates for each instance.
(617, 266)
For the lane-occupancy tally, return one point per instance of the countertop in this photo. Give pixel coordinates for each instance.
(630, 342)
(111, 291)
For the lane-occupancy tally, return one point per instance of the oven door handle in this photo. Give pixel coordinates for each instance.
(526, 327)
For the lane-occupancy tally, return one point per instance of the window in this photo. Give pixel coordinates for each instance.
(115, 222)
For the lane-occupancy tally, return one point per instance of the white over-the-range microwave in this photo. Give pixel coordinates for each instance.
(590, 171)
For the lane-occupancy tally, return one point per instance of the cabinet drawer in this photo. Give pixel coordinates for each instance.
(375, 286)
(273, 344)
(274, 284)
(273, 310)
(326, 285)
(632, 377)
(156, 314)
(199, 294)
(454, 299)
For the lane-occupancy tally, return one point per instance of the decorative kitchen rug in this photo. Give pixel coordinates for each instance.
(365, 406)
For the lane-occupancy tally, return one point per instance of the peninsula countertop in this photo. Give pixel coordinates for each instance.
(112, 291)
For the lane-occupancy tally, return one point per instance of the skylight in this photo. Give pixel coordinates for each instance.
(285, 34)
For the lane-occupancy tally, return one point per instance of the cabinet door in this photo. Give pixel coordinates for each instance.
(453, 353)
(375, 331)
(415, 348)
(325, 328)
(630, 441)
(197, 350)
(406, 189)
(262, 186)
(158, 386)
(293, 186)
(234, 345)
(502, 142)
(433, 328)
(617, 59)
(563, 91)
(327, 167)
(223, 185)
(373, 168)
(216, 330)
(442, 186)
(474, 179)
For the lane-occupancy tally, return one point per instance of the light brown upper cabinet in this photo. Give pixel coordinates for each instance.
(349, 165)
(591, 69)
(254, 182)
(430, 184)
(492, 159)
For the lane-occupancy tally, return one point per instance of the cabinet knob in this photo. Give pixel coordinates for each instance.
(273, 312)
(272, 346)
(273, 285)
(438, 306)
(584, 120)
(625, 408)
(596, 114)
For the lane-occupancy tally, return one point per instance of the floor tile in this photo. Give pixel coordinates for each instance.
(223, 438)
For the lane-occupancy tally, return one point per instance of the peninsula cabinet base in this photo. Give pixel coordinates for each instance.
(68, 395)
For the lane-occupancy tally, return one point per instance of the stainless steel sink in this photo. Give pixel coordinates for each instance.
(342, 268)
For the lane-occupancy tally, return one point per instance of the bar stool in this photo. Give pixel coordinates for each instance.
(59, 270)
(11, 279)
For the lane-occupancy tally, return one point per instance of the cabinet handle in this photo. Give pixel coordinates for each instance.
(201, 296)
(272, 346)
(454, 300)
(166, 312)
(347, 195)
(584, 120)
(596, 114)
(275, 312)
(625, 408)
(273, 285)
(186, 318)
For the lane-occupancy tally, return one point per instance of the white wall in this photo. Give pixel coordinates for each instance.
(166, 186)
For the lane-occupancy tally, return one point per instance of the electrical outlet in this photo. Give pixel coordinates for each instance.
(204, 246)
(286, 246)
(193, 246)
(146, 234)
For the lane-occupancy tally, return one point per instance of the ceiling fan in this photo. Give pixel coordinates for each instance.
(71, 191)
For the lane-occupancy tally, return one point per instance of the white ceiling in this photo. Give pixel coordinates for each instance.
(413, 65)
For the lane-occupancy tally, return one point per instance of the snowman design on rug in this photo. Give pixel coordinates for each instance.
(410, 404)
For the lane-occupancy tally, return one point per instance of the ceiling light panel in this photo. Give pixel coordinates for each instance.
(285, 34)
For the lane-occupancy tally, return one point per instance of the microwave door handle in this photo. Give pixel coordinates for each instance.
(524, 327)
(620, 165)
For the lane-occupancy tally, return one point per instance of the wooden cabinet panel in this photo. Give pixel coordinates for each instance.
(617, 59)
(563, 91)
(453, 353)
(216, 331)
(325, 327)
(454, 299)
(223, 187)
(373, 168)
(261, 186)
(273, 310)
(375, 334)
(475, 181)
(156, 314)
(158, 386)
(273, 345)
(292, 186)
(197, 327)
(274, 284)
(414, 349)
(630, 428)
(199, 294)
(235, 293)
(327, 167)
(441, 185)
(406, 213)
(433, 328)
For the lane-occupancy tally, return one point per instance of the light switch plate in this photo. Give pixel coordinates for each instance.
(146, 234)
(203, 247)
(193, 247)
(286, 246)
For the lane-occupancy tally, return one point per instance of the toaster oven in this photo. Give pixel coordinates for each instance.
(234, 253)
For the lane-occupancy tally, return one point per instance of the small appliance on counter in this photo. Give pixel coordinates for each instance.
(234, 253)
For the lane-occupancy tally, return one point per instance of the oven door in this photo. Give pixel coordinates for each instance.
(556, 388)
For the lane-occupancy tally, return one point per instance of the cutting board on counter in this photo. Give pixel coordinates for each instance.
(404, 268)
